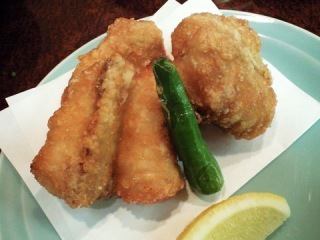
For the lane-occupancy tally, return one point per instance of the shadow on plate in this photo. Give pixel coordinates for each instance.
(223, 144)
(149, 217)
(138, 217)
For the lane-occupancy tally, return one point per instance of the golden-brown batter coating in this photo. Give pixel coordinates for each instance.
(219, 61)
(146, 169)
(76, 161)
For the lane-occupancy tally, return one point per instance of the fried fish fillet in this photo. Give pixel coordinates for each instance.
(76, 161)
(219, 60)
(146, 169)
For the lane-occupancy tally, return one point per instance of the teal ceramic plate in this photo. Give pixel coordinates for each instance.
(294, 174)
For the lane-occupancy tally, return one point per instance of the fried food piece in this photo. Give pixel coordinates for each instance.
(76, 161)
(218, 59)
(146, 169)
(101, 137)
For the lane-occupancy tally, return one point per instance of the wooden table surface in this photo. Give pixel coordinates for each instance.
(36, 35)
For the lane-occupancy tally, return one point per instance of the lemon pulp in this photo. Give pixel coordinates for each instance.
(250, 216)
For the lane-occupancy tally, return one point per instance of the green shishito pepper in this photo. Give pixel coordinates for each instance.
(201, 168)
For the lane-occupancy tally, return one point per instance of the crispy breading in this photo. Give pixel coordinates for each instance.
(76, 161)
(101, 137)
(219, 61)
(146, 169)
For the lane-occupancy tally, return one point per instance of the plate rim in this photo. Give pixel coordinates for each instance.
(75, 54)
(311, 34)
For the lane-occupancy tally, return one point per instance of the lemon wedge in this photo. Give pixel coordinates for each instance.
(250, 216)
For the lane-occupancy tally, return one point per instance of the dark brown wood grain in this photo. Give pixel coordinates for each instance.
(36, 35)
